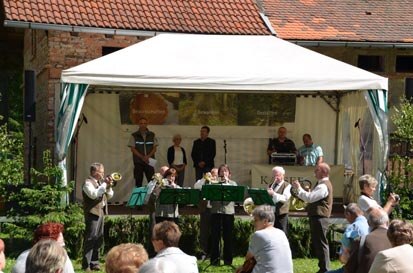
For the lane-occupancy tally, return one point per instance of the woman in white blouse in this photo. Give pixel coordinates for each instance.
(177, 159)
(366, 201)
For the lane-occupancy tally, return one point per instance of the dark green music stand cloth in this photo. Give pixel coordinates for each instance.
(179, 196)
(137, 197)
(260, 197)
(220, 192)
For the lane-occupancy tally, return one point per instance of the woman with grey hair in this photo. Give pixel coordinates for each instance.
(399, 257)
(269, 245)
(366, 202)
(46, 256)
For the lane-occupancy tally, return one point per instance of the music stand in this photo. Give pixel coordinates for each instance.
(260, 197)
(220, 192)
(179, 196)
(137, 197)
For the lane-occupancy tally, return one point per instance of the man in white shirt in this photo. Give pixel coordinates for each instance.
(320, 204)
(96, 190)
(280, 192)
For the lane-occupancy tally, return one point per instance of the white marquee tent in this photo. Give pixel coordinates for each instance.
(236, 64)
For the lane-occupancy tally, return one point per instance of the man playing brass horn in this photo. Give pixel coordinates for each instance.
(279, 190)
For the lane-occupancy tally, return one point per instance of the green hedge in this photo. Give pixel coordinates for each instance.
(135, 229)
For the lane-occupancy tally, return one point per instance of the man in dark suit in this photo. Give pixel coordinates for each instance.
(364, 251)
(203, 153)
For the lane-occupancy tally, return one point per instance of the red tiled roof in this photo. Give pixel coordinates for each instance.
(342, 20)
(189, 16)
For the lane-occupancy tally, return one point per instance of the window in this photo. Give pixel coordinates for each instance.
(404, 63)
(372, 63)
(109, 49)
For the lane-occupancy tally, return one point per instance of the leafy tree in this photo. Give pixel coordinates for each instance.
(400, 177)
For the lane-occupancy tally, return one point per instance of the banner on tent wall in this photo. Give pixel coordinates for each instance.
(207, 108)
(261, 176)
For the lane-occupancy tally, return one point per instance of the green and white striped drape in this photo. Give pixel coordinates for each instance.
(72, 97)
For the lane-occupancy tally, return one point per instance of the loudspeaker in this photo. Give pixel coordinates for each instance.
(408, 88)
(29, 96)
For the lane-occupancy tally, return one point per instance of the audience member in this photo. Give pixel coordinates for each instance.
(2, 256)
(269, 246)
(165, 240)
(281, 144)
(203, 153)
(366, 200)
(177, 159)
(142, 144)
(222, 221)
(398, 258)
(309, 154)
(96, 190)
(205, 214)
(364, 251)
(280, 192)
(46, 256)
(125, 258)
(357, 228)
(53, 231)
(320, 203)
(159, 266)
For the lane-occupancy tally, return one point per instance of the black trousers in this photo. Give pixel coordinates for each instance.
(93, 240)
(281, 222)
(205, 231)
(199, 172)
(140, 169)
(318, 228)
(224, 223)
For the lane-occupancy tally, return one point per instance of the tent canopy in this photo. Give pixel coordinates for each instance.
(222, 62)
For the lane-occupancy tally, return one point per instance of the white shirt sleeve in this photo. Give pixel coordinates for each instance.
(318, 193)
(284, 197)
(93, 192)
(198, 184)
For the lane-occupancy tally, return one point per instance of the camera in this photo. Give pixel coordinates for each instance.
(397, 197)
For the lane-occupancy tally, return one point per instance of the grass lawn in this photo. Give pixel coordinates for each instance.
(300, 266)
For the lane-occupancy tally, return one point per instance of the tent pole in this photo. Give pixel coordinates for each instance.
(336, 136)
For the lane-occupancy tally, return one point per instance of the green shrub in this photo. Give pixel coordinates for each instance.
(41, 202)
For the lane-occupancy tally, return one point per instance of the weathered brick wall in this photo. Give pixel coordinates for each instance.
(48, 53)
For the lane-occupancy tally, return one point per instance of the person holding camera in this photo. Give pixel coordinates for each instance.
(366, 202)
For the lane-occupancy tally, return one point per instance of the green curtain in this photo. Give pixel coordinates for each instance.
(378, 108)
(72, 97)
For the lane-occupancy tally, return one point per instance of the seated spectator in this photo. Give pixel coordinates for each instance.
(165, 240)
(159, 266)
(2, 256)
(366, 200)
(125, 258)
(364, 251)
(269, 246)
(399, 257)
(52, 231)
(46, 256)
(357, 228)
